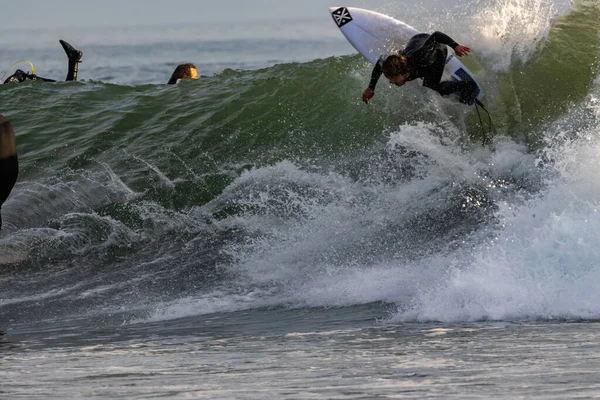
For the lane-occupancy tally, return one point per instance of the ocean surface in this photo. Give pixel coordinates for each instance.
(261, 233)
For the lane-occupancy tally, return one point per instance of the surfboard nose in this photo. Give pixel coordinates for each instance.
(332, 9)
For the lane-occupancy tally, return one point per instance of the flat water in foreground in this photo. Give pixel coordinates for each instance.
(305, 354)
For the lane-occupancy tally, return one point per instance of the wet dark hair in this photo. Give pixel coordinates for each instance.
(394, 65)
(183, 71)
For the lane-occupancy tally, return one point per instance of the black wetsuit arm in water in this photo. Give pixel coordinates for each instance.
(9, 170)
(39, 78)
(9, 165)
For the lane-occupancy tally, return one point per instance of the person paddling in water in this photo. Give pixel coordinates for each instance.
(423, 57)
(74, 60)
(183, 72)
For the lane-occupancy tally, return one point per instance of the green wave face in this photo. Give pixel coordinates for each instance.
(213, 127)
(558, 75)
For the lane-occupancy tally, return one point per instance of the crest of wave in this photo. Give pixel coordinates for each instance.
(511, 28)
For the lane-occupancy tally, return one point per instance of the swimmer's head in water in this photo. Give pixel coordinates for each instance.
(184, 71)
(19, 76)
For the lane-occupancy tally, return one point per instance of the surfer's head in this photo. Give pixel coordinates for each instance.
(184, 71)
(395, 68)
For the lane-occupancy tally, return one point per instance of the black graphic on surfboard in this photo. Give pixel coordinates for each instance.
(341, 16)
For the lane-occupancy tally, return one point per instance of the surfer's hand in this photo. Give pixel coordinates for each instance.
(462, 50)
(368, 95)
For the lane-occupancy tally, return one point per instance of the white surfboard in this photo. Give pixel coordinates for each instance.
(374, 34)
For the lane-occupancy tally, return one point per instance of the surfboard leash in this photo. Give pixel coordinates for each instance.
(20, 61)
(487, 136)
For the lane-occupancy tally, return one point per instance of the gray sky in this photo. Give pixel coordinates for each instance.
(32, 14)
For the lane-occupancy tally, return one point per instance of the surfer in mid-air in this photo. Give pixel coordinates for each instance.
(74, 60)
(9, 166)
(423, 57)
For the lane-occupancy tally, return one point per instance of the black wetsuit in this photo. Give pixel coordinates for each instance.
(74, 57)
(426, 57)
(9, 170)
(20, 76)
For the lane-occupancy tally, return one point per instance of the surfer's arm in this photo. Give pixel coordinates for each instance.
(35, 77)
(369, 92)
(440, 37)
(375, 75)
